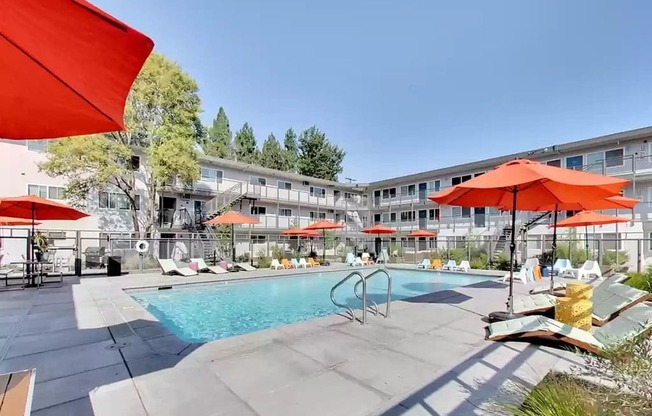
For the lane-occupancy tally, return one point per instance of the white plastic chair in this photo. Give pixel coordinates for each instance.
(276, 265)
(464, 266)
(303, 263)
(425, 264)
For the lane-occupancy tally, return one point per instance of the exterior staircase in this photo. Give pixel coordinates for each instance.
(225, 200)
(502, 242)
(527, 226)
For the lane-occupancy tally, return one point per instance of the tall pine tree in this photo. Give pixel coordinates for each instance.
(272, 155)
(318, 157)
(291, 151)
(218, 142)
(246, 149)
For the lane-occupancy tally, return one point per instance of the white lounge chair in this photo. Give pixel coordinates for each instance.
(464, 266)
(561, 265)
(205, 268)
(295, 263)
(425, 264)
(588, 269)
(521, 275)
(350, 259)
(169, 267)
(275, 265)
(245, 266)
(303, 263)
(383, 257)
(450, 265)
(632, 322)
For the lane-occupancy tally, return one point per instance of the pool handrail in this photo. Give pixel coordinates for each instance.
(364, 296)
(389, 290)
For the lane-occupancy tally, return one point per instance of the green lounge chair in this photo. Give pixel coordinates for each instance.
(635, 321)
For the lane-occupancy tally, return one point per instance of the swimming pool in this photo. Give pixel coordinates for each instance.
(213, 311)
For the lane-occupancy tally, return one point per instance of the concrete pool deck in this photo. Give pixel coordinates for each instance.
(99, 352)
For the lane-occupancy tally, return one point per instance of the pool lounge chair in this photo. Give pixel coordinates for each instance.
(588, 269)
(295, 263)
(169, 267)
(463, 267)
(350, 259)
(202, 267)
(245, 266)
(366, 259)
(312, 262)
(635, 321)
(303, 263)
(425, 264)
(286, 264)
(523, 275)
(436, 264)
(16, 392)
(275, 265)
(383, 257)
(450, 265)
(559, 286)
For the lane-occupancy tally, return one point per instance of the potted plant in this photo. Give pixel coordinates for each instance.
(41, 245)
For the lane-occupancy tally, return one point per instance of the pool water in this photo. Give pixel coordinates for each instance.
(213, 311)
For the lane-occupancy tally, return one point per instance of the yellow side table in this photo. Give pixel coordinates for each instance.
(576, 312)
(579, 291)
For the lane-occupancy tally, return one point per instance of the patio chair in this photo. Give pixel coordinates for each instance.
(383, 257)
(295, 263)
(16, 392)
(202, 267)
(634, 322)
(366, 259)
(588, 269)
(286, 264)
(561, 265)
(464, 266)
(350, 259)
(245, 266)
(275, 265)
(303, 263)
(450, 265)
(313, 262)
(523, 275)
(425, 264)
(436, 264)
(169, 267)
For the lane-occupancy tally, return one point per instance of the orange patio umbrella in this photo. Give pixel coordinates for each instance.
(324, 225)
(69, 62)
(526, 185)
(586, 218)
(232, 218)
(300, 232)
(379, 230)
(12, 221)
(422, 233)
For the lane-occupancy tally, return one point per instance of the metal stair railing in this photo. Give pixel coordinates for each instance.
(389, 291)
(364, 296)
(225, 198)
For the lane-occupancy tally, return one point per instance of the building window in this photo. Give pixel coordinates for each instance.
(37, 145)
(318, 192)
(407, 216)
(408, 190)
(575, 162)
(254, 180)
(211, 175)
(258, 210)
(594, 162)
(135, 162)
(55, 192)
(284, 185)
(459, 179)
(389, 193)
(556, 163)
(466, 212)
(479, 174)
(37, 190)
(377, 217)
(433, 214)
(385, 217)
(284, 212)
(614, 158)
(434, 186)
(258, 239)
(314, 215)
(456, 212)
(392, 217)
(115, 200)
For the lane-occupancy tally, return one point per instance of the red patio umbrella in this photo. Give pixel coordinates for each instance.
(12, 221)
(300, 232)
(324, 225)
(68, 62)
(232, 218)
(586, 218)
(379, 230)
(526, 185)
(422, 233)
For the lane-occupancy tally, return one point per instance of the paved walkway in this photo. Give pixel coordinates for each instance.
(98, 352)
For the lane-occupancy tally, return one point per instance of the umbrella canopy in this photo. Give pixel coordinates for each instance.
(324, 225)
(422, 233)
(37, 208)
(586, 218)
(536, 185)
(300, 232)
(232, 218)
(12, 221)
(379, 229)
(69, 62)
(527, 185)
(614, 202)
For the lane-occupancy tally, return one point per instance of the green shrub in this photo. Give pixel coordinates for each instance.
(609, 258)
(480, 262)
(264, 262)
(457, 254)
(395, 250)
(277, 252)
(436, 255)
(642, 281)
(502, 262)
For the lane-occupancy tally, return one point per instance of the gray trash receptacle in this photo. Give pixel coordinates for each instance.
(114, 266)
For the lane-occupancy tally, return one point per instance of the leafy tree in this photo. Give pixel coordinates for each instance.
(291, 151)
(246, 149)
(218, 143)
(272, 155)
(318, 157)
(161, 118)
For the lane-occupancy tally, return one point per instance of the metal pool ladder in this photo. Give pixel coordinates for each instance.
(363, 281)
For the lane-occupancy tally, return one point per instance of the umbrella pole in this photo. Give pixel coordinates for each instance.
(30, 251)
(554, 251)
(586, 241)
(512, 248)
(233, 243)
(323, 259)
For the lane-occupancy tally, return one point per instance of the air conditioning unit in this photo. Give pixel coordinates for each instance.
(185, 197)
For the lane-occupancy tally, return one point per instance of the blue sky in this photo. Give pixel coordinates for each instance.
(407, 86)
